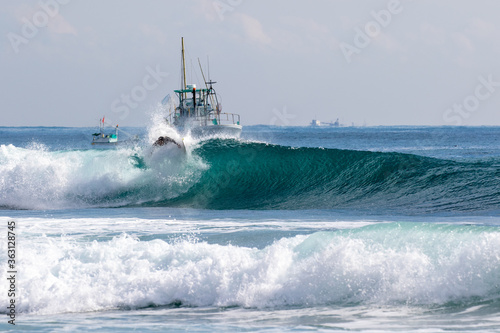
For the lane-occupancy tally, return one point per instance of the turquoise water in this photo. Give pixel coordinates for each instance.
(285, 229)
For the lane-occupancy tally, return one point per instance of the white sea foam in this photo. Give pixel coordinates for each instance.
(370, 265)
(136, 227)
(36, 178)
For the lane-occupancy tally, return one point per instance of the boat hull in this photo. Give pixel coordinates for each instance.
(231, 130)
(105, 141)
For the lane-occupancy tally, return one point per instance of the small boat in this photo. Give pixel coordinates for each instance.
(102, 138)
(111, 139)
(199, 111)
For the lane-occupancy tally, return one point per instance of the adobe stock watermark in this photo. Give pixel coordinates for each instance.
(48, 10)
(139, 93)
(281, 118)
(224, 6)
(363, 37)
(460, 111)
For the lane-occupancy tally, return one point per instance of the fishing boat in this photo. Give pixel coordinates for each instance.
(199, 111)
(102, 138)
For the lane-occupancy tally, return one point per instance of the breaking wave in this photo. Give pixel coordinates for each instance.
(234, 174)
(384, 264)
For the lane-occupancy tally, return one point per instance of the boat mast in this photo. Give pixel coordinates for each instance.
(183, 67)
(206, 84)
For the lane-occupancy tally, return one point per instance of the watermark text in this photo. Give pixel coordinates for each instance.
(11, 272)
(456, 114)
(40, 19)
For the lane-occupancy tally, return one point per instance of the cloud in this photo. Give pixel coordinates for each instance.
(463, 42)
(59, 25)
(387, 42)
(55, 22)
(308, 26)
(304, 33)
(481, 28)
(207, 9)
(252, 28)
(432, 34)
(154, 33)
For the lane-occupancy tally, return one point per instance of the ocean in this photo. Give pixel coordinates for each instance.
(287, 229)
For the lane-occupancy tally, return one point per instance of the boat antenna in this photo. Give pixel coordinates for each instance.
(183, 65)
(209, 90)
(202, 74)
(208, 67)
(191, 69)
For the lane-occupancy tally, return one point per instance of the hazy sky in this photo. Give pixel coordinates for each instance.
(421, 62)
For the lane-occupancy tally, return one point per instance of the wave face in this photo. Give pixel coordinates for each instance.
(232, 174)
(381, 264)
(244, 175)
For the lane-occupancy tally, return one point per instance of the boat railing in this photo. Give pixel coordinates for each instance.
(226, 118)
(212, 118)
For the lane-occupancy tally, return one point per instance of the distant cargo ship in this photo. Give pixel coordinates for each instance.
(317, 123)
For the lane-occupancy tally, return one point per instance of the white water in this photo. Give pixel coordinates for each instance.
(92, 265)
(36, 178)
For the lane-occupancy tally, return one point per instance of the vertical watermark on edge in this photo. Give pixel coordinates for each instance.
(11, 271)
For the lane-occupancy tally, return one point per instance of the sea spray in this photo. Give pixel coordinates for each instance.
(158, 126)
(40, 179)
